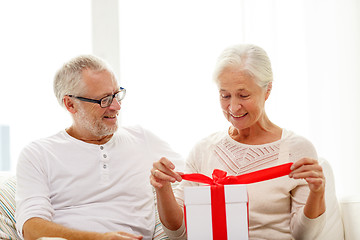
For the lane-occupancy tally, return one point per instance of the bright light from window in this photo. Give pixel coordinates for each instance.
(167, 54)
(36, 38)
(167, 60)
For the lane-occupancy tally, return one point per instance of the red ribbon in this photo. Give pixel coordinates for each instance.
(217, 182)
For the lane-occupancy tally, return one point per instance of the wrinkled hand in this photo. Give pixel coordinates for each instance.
(310, 170)
(163, 173)
(121, 236)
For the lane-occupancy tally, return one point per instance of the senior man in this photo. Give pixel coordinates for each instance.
(90, 180)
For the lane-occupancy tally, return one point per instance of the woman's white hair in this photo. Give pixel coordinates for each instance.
(68, 79)
(249, 58)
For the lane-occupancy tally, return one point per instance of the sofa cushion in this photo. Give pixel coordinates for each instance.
(7, 209)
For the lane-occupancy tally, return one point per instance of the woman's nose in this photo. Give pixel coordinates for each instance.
(235, 105)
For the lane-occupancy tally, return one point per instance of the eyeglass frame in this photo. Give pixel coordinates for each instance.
(99, 101)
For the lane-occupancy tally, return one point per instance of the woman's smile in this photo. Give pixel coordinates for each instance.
(237, 116)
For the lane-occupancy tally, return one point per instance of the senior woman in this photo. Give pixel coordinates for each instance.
(283, 208)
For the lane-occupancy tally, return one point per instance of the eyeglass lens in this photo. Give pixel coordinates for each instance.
(106, 101)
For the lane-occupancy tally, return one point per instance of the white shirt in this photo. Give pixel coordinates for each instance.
(90, 187)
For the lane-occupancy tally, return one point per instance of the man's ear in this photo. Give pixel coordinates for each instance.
(268, 90)
(69, 104)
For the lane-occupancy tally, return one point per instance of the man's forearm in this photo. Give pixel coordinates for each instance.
(35, 228)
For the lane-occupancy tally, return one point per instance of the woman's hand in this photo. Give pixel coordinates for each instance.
(163, 173)
(310, 170)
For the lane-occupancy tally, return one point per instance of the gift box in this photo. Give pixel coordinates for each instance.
(201, 222)
(219, 211)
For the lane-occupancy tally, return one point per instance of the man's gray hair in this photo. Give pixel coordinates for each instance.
(68, 79)
(249, 58)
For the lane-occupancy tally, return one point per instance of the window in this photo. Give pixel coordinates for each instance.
(37, 37)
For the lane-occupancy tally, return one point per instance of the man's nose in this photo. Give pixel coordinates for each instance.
(115, 104)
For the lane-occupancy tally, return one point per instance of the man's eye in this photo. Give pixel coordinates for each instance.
(244, 96)
(106, 100)
(224, 96)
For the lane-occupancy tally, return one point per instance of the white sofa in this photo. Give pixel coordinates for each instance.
(342, 218)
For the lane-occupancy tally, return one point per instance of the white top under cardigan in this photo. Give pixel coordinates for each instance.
(90, 187)
(275, 206)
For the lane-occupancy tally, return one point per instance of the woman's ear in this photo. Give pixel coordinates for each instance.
(69, 104)
(268, 90)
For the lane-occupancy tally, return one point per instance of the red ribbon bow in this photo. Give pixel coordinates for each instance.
(217, 182)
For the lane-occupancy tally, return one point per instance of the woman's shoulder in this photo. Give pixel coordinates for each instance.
(299, 145)
(213, 138)
(294, 138)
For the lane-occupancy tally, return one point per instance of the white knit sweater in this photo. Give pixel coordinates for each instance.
(275, 206)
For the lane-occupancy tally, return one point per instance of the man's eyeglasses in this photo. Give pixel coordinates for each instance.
(105, 101)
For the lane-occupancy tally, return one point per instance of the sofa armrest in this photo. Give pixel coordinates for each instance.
(333, 228)
(350, 207)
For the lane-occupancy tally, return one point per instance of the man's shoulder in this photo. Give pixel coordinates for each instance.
(135, 131)
(53, 140)
(46, 146)
(131, 129)
(127, 132)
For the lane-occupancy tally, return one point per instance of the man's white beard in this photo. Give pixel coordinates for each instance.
(95, 126)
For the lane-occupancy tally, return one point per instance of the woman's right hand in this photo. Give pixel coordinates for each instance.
(163, 173)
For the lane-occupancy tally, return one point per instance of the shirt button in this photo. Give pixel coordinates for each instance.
(101, 147)
(104, 166)
(105, 156)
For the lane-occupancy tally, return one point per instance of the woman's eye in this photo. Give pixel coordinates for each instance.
(224, 96)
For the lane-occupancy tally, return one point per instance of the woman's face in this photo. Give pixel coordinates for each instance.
(241, 99)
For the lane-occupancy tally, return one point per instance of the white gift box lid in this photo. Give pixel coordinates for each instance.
(202, 194)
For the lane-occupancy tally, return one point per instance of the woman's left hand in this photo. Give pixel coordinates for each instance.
(310, 170)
